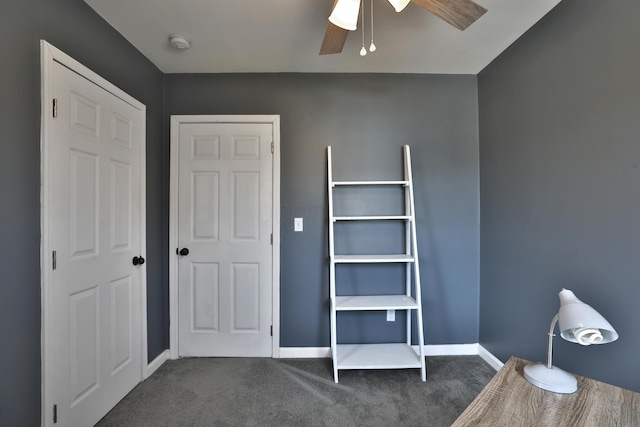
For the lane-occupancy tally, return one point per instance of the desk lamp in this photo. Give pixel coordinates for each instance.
(578, 323)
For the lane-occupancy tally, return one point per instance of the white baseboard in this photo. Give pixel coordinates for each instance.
(304, 352)
(486, 355)
(430, 350)
(451, 350)
(156, 363)
(325, 352)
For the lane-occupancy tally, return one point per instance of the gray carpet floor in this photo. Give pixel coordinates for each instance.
(300, 392)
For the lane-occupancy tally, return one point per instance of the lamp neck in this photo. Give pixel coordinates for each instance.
(551, 335)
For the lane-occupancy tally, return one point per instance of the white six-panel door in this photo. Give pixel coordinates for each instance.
(225, 223)
(94, 206)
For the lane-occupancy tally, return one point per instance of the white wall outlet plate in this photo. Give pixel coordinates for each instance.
(391, 315)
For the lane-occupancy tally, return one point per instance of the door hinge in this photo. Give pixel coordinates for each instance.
(271, 330)
(55, 414)
(55, 107)
(54, 259)
(271, 239)
(272, 148)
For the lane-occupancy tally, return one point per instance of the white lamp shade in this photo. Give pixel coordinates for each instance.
(345, 14)
(580, 323)
(399, 5)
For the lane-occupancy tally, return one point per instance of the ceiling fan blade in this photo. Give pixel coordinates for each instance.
(459, 13)
(334, 38)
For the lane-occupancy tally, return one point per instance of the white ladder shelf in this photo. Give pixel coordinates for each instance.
(378, 356)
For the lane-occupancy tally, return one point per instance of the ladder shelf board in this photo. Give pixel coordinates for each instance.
(356, 183)
(375, 302)
(356, 259)
(372, 218)
(377, 356)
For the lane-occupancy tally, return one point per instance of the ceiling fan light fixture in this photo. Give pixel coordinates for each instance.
(399, 5)
(345, 14)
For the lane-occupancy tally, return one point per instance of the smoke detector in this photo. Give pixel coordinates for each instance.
(179, 42)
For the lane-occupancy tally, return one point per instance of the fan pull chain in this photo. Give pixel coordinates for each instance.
(363, 51)
(372, 47)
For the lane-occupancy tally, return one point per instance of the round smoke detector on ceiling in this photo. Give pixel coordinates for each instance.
(179, 42)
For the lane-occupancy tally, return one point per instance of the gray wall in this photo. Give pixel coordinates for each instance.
(366, 119)
(560, 199)
(74, 28)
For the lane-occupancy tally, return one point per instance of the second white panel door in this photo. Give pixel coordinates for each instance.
(224, 220)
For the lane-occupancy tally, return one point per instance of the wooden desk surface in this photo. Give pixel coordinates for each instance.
(510, 400)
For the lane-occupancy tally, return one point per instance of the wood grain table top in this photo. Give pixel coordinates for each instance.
(510, 400)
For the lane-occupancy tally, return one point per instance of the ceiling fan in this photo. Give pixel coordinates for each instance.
(459, 13)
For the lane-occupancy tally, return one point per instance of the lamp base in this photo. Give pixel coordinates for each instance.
(554, 379)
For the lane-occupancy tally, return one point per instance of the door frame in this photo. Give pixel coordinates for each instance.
(176, 121)
(49, 55)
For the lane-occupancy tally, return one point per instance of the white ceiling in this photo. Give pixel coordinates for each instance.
(235, 36)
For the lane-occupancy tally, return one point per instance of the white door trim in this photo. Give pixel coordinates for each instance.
(176, 121)
(48, 56)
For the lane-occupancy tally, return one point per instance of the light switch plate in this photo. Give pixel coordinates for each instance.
(297, 224)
